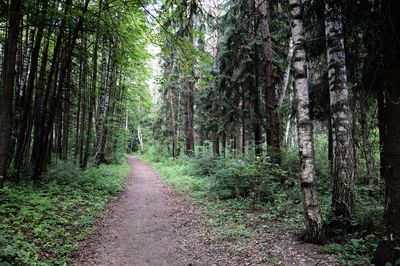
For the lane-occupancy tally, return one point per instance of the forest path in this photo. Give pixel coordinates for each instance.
(147, 225)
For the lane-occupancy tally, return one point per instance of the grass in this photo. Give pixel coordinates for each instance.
(41, 225)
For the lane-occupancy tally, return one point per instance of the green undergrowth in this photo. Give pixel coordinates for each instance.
(235, 201)
(42, 224)
(243, 192)
(355, 251)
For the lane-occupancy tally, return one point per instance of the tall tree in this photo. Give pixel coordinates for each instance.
(188, 83)
(388, 249)
(103, 107)
(343, 161)
(7, 92)
(312, 213)
(273, 136)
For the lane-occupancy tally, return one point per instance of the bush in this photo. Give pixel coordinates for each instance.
(205, 165)
(156, 153)
(241, 177)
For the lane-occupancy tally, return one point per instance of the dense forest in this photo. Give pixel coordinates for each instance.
(288, 106)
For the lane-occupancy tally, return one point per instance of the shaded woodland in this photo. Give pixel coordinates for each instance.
(272, 79)
(264, 98)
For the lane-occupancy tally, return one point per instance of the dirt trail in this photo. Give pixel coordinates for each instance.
(149, 224)
(142, 227)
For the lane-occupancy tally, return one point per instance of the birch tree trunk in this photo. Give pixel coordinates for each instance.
(312, 213)
(343, 163)
(286, 76)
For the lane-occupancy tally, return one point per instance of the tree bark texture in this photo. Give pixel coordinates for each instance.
(255, 95)
(273, 134)
(174, 130)
(102, 106)
(343, 163)
(312, 213)
(188, 111)
(7, 92)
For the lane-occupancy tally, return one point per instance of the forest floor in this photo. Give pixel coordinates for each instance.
(150, 224)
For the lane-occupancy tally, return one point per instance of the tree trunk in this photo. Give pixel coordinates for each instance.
(312, 213)
(6, 95)
(92, 102)
(370, 177)
(223, 150)
(140, 138)
(188, 112)
(66, 117)
(239, 132)
(102, 109)
(174, 130)
(27, 117)
(39, 106)
(65, 60)
(343, 154)
(273, 136)
(286, 76)
(215, 143)
(388, 248)
(255, 95)
(84, 99)
(78, 111)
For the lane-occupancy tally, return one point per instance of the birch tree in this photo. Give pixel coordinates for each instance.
(343, 162)
(312, 213)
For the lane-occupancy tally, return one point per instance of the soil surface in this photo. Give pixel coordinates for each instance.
(149, 224)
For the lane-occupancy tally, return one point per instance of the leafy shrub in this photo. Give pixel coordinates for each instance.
(156, 153)
(246, 177)
(356, 251)
(205, 165)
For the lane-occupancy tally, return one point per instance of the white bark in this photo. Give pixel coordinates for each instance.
(312, 213)
(127, 118)
(140, 137)
(342, 142)
(286, 76)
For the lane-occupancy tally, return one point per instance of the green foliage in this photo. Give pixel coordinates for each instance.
(177, 173)
(229, 219)
(156, 153)
(246, 177)
(369, 210)
(216, 184)
(354, 252)
(41, 225)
